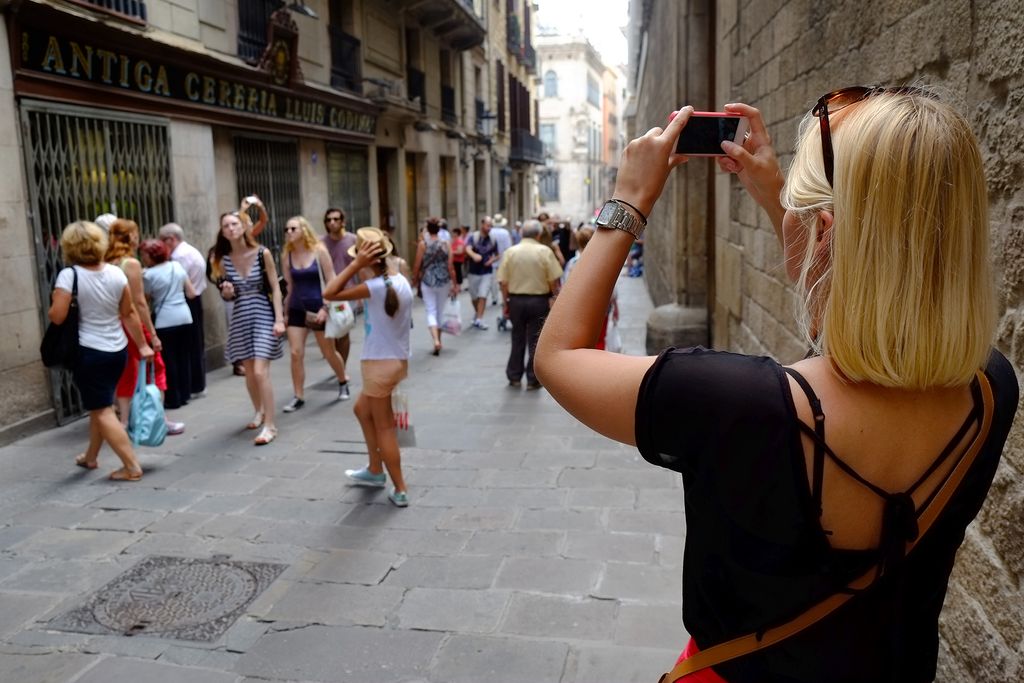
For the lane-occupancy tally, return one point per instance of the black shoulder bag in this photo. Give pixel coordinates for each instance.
(282, 284)
(59, 348)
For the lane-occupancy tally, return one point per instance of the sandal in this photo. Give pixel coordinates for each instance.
(85, 464)
(266, 436)
(256, 422)
(125, 474)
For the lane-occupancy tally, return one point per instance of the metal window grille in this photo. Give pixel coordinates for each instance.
(346, 60)
(130, 9)
(348, 185)
(81, 163)
(269, 168)
(253, 17)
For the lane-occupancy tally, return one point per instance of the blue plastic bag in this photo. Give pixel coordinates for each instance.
(146, 424)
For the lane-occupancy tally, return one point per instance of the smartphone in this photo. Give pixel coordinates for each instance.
(705, 131)
(252, 199)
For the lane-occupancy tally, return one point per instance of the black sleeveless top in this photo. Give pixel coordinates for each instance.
(755, 553)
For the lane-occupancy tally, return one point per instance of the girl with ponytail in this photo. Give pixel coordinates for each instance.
(385, 356)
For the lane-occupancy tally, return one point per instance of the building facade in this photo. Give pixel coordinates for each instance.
(714, 266)
(162, 111)
(580, 103)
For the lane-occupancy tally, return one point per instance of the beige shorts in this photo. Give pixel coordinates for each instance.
(380, 377)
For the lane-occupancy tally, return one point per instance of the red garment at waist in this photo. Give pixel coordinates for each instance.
(704, 675)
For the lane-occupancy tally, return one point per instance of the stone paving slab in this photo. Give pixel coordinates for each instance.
(534, 550)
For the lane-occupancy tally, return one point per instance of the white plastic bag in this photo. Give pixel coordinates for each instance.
(340, 319)
(612, 338)
(451, 317)
(404, 429)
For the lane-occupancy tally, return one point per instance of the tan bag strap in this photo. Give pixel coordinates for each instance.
(743, 645)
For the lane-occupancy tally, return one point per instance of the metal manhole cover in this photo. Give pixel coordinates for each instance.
(172, 597)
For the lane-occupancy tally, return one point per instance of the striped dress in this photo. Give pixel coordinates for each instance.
(251, 334)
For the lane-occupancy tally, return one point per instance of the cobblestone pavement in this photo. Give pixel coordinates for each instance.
(533, 550)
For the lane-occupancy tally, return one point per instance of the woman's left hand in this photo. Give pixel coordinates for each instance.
(279, 328)
(647, 161)
(321, 316)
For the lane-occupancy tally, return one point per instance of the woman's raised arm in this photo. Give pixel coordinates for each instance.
(597, 387)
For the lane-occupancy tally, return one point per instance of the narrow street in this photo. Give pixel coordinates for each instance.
(533, 550)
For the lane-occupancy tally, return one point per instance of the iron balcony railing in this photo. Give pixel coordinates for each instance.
(417, 83)
(513, 34)
(530, 58)
(131, 9)
(526, 147)
(253, 16)
(448, 104)
(346, 61)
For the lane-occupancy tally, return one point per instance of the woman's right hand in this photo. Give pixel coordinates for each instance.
(647, 161)
(227, 291)
(755, 163)
(146, 352)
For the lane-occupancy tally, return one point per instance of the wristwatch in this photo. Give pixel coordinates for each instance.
(620, 215)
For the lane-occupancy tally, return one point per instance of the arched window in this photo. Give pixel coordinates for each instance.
(550, 84)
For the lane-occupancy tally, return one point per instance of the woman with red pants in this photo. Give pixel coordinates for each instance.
(124, 243)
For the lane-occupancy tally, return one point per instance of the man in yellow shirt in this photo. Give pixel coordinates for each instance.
(529, 276)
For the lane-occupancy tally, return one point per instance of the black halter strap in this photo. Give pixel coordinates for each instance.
(900, 514)
(818, 467)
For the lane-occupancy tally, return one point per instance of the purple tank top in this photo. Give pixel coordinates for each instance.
(305, 284)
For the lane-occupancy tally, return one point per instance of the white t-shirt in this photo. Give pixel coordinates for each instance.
(194, 264)
(387, 338)
(165, 285)
(99, 306)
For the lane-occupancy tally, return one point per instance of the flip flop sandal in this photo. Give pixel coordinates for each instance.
(256, 422)
(125, 474)
(266, 436)
(85, 464)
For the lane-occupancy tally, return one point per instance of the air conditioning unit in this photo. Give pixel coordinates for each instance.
(385, 88)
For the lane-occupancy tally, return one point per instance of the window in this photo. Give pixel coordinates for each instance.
(593, 91)
(133, 11)
(346, 62)
(547, 136)
(550, 84)
(500, 82)
(253, 16)
(548, 185)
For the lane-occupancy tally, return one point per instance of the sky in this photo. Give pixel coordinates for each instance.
(600, 20)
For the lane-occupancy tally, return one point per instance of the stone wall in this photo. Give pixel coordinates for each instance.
(780, 55)
(24, 382)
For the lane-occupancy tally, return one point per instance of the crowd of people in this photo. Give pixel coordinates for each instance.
(139, 300)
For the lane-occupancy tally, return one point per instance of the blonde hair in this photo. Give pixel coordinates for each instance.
(905, 298)
(309, 239)
(83, 243)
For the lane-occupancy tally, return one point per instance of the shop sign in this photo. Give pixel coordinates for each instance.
(80, 60)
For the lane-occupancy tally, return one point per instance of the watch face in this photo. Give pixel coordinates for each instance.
(607, 211)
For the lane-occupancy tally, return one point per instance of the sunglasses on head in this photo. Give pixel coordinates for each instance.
(838, 99)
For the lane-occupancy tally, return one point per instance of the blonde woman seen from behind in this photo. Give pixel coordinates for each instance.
(801, 480)
(307, 266)
(385, 355)
(105, 312)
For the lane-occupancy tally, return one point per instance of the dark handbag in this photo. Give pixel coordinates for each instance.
(312, 324)
(265, 288)
(744, 645)
(59, 348)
